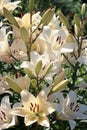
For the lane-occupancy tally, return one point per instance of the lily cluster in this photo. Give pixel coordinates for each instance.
(43, 45)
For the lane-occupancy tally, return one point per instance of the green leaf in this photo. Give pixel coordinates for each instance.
(14, 86)
(38, 67)
(10, 17)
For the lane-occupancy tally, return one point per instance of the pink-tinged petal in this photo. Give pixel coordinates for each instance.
(44, 121)
(30, 119)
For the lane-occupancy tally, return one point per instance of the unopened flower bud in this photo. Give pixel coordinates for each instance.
(83, 9)
(77, 20)
(64, 20)
(47, 17)
(31, 5)
(10, 18)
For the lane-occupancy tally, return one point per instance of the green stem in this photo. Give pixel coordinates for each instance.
(74, 76)
(68, 60)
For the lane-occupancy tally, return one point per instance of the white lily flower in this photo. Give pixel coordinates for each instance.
(3, 86)
(47, 59)
(8, 5)
(35, 109)
(69, 109)
(22, 21)
(34, 59)
(4, 47)
(6, 119)
(5, 52)
(57, 40)
(19, 50)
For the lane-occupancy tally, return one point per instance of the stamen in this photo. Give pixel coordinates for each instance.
(4, 115)
(71, 105)
(31, 104)
(1, 118)
(30, 108)
(37, 108)
(76, 108)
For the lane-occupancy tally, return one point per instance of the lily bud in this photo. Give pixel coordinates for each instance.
(29, 73)
(59, 86)
(59, 78)
(77, 30)
(10, 18)
(34, 83)
(47, 17)
(64, 20)
(38, 67)
(83, 9)
(31, 5)
(14, 86)
(24, 35)
(77, 21)
(49, 68)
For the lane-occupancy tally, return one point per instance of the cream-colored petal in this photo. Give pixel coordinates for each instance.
(26, 21)
(27, 99)
(44, 121)
(19, 111)
(30, 119)
(23, 82)
(42, 96)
